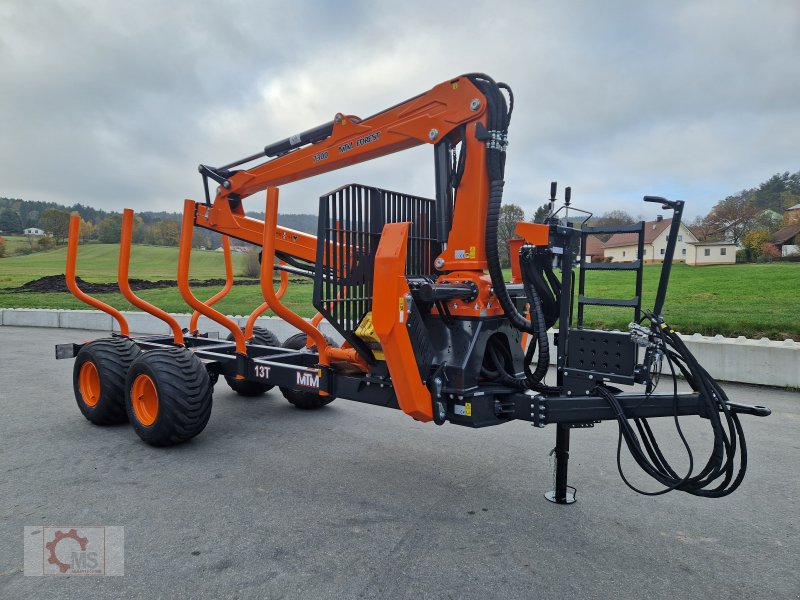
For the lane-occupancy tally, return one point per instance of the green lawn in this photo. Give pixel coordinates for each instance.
(754, 300)
(98, 262)
(16, 242)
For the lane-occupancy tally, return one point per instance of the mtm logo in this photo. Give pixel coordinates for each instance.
(306, 379)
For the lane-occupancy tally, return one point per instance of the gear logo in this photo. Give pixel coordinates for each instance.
(69, 550)
(59, 537)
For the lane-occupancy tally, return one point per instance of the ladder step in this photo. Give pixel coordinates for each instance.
(633, 302)
(636, 228)
(607, 266)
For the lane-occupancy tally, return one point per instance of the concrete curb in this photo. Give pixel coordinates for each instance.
(760, 362)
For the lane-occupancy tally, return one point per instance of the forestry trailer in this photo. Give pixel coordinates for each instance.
(414, 287)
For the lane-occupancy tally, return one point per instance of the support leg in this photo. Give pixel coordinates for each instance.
(560, 495)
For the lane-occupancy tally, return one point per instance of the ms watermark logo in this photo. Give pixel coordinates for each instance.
(51, 550)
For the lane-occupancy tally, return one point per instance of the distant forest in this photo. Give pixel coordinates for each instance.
(159, 228)
(755, 212)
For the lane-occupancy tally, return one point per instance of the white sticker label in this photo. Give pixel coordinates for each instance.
(460, 254)
(460, 409)
(295, 139)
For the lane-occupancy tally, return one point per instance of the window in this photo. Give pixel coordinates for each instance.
(680, 238)
(623, 253)
(683, 251)
(723, 251)
(707, 252)
(645, 251)
(662, 252)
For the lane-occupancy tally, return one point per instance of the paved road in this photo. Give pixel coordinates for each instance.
(361, 502)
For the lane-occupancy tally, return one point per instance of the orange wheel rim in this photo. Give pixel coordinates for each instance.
(144, 399)
(89, 383)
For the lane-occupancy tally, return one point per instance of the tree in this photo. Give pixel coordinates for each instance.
(55, 222)
(10, 221)
(110, 229)
(510, 215)
(612, 218)
(163, 233)
(541, 213)
(45, 243)
(754, 241)
(138, 234)
(252, 264)
(733, 217)
(87, 230)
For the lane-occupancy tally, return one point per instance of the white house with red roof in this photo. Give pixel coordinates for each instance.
(622, 247)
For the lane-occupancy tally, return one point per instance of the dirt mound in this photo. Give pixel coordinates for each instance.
(58, 283)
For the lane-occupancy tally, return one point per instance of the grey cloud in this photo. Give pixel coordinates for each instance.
(114, 104)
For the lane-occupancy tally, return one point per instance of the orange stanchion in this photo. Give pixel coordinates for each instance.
(267, 272)
(226, 251)
(126, 237)
(184, 257)
(72, 257)
(251, 320)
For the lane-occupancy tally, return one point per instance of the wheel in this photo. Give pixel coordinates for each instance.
(304, 400)
(168, 396)
(243, 387)
(98, 379)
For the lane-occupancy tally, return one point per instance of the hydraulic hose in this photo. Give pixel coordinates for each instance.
(728, 437)
(498, 118)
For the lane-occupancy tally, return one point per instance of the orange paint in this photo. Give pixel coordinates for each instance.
(389, 316)
(267, 272)
(184, 257)
(226, 251)
(144, 399)
(72, 258)
(89, 383)
(126, 236)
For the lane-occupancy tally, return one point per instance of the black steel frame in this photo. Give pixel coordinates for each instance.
(468, 401)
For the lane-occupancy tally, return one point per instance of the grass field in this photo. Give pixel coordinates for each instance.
(14, 243)
(754, 300)
(98, 262)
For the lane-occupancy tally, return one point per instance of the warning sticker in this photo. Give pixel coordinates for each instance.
(464, 410)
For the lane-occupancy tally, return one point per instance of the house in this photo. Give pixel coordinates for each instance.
(710, 253)
(788, 239)
(594, 249)
(33, 231)
(792, 211)
(622, 247)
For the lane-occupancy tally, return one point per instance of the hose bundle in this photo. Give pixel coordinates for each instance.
(728, 436)
(543, 294)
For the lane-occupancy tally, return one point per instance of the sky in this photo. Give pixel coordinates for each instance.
(114, 104)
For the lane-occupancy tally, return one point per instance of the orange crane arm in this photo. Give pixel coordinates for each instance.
(427, 118)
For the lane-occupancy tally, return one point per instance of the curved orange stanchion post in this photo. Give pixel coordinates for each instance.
(72, 257)
(126, 237)
(226, 251)
(184, 257)
(267, 272)
(251, 320)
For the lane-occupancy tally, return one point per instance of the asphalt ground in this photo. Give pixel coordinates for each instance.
(355, 501)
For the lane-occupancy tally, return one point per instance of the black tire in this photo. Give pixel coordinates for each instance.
(183, 393)
(243, 387)
(102, 400)
(304, 400)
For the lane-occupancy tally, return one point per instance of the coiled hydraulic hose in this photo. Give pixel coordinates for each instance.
(728, 438)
